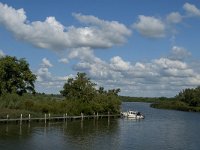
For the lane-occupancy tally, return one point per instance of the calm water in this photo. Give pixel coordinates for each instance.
(160, 130)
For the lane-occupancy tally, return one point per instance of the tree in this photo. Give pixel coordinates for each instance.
(101, 90)
(80, 88)
(15, 76)
(190, 96)
(82, 95)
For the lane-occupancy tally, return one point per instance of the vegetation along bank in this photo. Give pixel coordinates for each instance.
(79, 94)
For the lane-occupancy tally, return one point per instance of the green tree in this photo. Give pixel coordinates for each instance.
(83, 97)
(15, 76)
(190, 96)
(80, 88)
(101, 90)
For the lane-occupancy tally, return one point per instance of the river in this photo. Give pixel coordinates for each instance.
(160, 130)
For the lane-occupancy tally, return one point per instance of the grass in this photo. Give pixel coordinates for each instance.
(16, 113)
(38, 105)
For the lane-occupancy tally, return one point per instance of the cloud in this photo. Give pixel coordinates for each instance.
(166, 63)
(2, 54)
(51, 34)
(174, 17)
(118, 64)
(191, 9)
(112, 30)
(173, 68)
(84, 53)
(46, 63)
(48, 82)
(150, 26)
(164, 76)
(179, 53)
(63, 60)
(43, 74)
(52, 83)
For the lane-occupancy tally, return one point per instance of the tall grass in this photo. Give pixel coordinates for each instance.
(39, 104)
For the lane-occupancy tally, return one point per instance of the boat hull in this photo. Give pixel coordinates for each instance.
(132, 114)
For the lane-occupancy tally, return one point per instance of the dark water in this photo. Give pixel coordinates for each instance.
(160, 130)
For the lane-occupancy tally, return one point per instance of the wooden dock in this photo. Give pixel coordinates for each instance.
(48, 118)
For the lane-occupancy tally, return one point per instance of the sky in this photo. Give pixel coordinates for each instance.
(147, 48)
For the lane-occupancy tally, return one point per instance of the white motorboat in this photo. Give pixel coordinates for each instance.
(132, 114)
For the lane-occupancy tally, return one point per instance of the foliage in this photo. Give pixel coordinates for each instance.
(79, 95)
(81, 92)
(15, 76)
(186, 100)
(190, 96)
(144, 99)
(79, 88)
(39, 104)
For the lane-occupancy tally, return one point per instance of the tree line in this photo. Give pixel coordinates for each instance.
(186, 100)
(190, 96)
(79, 94)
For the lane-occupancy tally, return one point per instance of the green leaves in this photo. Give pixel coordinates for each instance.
(83, 94)
(79, 88)
(190, 96)
(15, 76)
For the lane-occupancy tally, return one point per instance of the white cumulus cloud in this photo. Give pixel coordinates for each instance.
(191, 9)
(150, 26)
(157, 77)
(179, 53)
(46, 63)
(174, 17)
(118, 64)
(51, 34)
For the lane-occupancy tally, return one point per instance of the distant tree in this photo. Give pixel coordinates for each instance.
(101, 90)
(190, 96)
(114, 91)
(15, 76)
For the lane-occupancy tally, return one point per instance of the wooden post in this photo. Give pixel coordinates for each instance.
(7, 117)
(29, 117)
(66, 120)
(108, 118)
(82, 116)
(21, 119)
(45, 118)
(81, 123)
(94, 114)
(97, 115)
(49, 116)
(63, 117)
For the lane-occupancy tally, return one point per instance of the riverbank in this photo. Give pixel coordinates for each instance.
(39, 104)
(175, 105)
(144, 99)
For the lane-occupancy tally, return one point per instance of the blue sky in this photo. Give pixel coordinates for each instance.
(144, 47)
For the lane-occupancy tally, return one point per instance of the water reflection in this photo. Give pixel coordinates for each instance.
(161, 129)
(77, 134)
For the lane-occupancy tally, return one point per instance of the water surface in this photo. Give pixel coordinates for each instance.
(161, 129)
